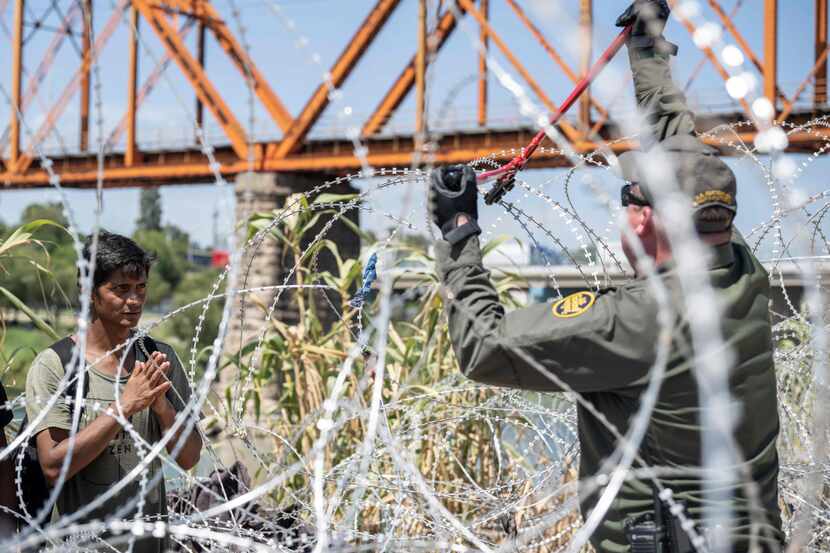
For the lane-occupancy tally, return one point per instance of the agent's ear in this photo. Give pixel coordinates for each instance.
(646, 225)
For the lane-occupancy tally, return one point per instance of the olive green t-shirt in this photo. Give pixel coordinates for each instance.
(121, 456)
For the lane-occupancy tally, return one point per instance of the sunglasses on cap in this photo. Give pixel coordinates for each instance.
(627, 197)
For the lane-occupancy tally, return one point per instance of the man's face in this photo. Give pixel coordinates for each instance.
(639, 219)
(119, 300)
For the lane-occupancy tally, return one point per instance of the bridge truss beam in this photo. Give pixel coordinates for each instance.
(296, 152)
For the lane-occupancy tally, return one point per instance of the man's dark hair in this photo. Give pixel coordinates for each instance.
(116, 252)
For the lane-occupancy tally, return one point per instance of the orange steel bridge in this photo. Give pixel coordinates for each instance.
(295, 151)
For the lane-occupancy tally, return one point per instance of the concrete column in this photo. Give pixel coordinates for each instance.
(261, 265)
(266, 264)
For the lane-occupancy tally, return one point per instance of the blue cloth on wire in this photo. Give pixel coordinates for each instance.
(370, 274)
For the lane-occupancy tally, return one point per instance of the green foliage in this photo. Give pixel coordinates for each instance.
(38, 275)
(38, 281)
(170, 265)
(794, 372)
(301, 361)
(25, 276)
(37, 260)
(26, 280)
(196, 286)
(53, 234)
(20, 346)
(169, 244)
(149, 217)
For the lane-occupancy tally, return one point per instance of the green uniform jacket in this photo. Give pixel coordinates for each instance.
(603, 345)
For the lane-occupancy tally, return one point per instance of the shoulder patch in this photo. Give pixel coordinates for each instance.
(574, 305)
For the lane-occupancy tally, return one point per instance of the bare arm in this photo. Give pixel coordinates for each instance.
(189, 454)
(53, 446)
(142, 389)
(166, 414)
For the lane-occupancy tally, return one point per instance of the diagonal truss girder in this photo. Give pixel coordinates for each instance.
(207, 14)
(291, 153)
(194, 73)
(406, 80)
(342, 68)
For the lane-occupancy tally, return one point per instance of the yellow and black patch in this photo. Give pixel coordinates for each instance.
(713, 196)
(574, 305)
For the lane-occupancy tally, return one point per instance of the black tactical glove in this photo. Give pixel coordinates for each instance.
(452, 193)
(648, 19)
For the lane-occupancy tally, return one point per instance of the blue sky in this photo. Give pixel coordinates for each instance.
(327, 26)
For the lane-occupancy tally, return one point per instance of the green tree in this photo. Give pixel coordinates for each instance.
(65, 276)
(195, 286)
(150, 205)
(178, 239)
(42, 272)
(170, 248)
(25, 272)
(168, 269)
(51, 236)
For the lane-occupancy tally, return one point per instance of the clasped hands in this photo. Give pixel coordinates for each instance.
(147, 386)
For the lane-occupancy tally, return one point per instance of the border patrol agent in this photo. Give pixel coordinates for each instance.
(602, 344)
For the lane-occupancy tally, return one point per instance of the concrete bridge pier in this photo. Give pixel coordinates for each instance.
(266, 263)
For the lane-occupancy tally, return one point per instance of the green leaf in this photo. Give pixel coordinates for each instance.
(32, 226)
(310, 224)
(38, 322)
(329, 198)
(40, 267)
(315, 248)
(237, 357)
(229, 398)
(364, 236)
(275, 343)
(16, 239)
(261, 221)
(495, 243)
(23, 235)
(351, 272)
(257, 404)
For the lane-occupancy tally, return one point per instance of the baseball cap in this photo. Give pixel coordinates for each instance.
(700, 173)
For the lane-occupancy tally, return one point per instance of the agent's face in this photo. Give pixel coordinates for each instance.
(119, 300)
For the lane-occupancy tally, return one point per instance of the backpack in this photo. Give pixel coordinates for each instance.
(36, 490)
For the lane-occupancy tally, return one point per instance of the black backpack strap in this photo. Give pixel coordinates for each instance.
(146, 343)
(151, 345)
(64, 349)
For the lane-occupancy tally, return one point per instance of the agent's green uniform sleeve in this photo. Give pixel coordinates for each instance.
(658, 97)
(609, 346)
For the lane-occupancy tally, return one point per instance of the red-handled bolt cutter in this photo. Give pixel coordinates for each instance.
(507, 173)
